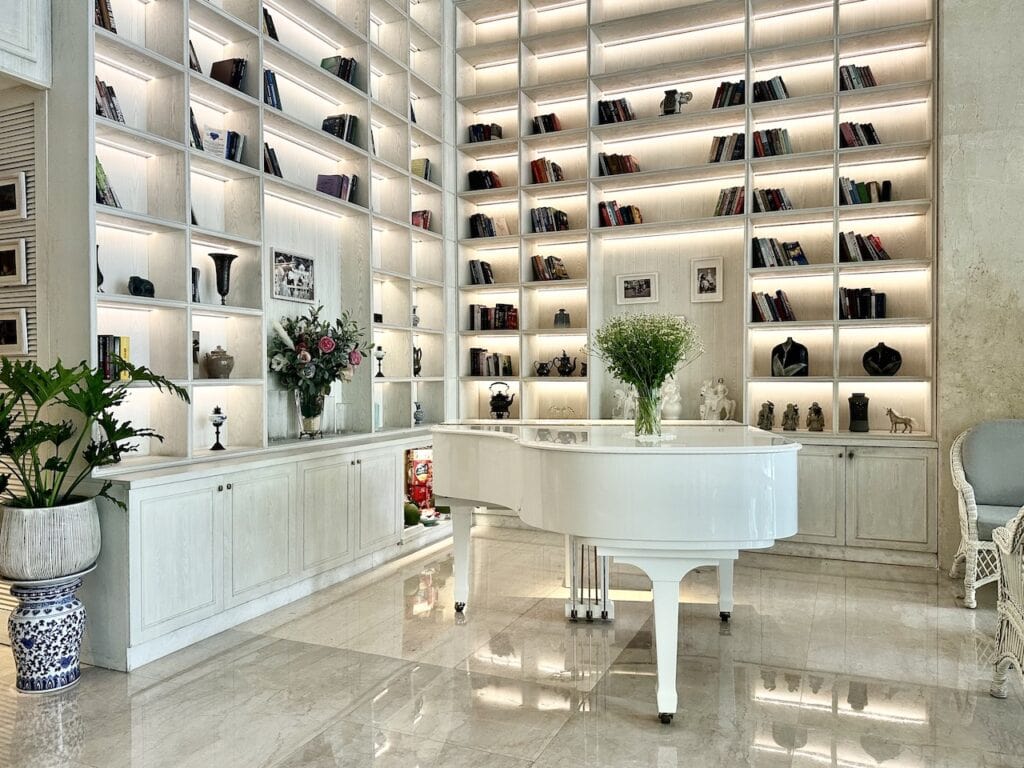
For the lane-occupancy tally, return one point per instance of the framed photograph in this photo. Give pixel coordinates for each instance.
(293, 277)
(12, 262)
(12, 196)
(706, 277)
(636, 289)
(13, 332)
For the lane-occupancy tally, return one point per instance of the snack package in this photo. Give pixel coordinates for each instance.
(419, 477)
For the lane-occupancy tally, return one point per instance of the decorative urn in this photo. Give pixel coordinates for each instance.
(219, 363)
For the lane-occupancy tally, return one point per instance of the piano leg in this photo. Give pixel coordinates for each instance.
(462, 523)
(725, 589)
(666, 638)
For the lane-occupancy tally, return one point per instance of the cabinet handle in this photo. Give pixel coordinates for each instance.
(229, 486)
(840, 454)
(850, 454)
(352, 463)
(220, 488)
(359, 461)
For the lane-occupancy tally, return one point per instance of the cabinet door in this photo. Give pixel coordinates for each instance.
(177, 537)
(326, 537)
(890, 498)
(380, 505)
(821, 496)
(260, 531)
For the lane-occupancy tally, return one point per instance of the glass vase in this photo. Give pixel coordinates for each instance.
(647, 422)
(311, 411)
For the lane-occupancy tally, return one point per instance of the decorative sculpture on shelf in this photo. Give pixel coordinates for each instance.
(562, 319)
(715, 404)
(671, 402)
(625, 403)
(99, 272)
(561, 412)
(766, 417)
(881, 360)
(543, 368)
(379, 354)
(222, 263)
(674, 101)
(219, 363)
(195, 285)
(563, 365)
(140, 286)
(790, 359)
(417, 361)
(217, 418)
(501, 401)
(815, 418)
(415, 317)
(791, 417)
(896, 420)
(417, 413)
(858, 412)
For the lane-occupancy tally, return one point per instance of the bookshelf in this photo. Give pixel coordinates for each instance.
(179, 203)
(517, 59)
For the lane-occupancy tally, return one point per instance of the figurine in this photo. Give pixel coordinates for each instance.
(895, 419)
(791, 417)
(542, 368)
(625, 403)
(671, 402)
(815, 418)
(417, 414)
(715, 402)
(766, 418)
(881, 360)
(417, 361)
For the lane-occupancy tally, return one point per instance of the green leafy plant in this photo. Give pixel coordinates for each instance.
(57, 425)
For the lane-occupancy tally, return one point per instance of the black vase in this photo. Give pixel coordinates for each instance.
(222, 263)
(881, 360)
(859, 412)
(790, 359)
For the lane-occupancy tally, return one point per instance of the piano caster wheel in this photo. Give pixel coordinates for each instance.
(665, 717)
(604, 615)
(460, 607)
(724, 615)
(573, 616)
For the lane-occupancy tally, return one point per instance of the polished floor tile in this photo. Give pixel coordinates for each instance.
(823, 664)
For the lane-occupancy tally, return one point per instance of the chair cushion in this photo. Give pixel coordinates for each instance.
(991, 517)
(993, 457)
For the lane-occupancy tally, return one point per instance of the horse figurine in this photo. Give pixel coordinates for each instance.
(715, 404)
(895, 419)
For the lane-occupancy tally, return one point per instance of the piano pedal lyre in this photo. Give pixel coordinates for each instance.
(588, 584)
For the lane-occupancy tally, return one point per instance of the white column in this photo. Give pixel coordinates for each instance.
(462, 523)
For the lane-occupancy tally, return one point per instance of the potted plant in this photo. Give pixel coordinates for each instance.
(309, 354)
(643, 350)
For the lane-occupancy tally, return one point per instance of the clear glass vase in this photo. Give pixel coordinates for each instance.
(647, 423)
(311, 410)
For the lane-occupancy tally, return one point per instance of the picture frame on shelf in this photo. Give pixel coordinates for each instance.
(12, 262)
(637, 288)
(13, 332)
(707, 278)
(12, 196)
(294, 277)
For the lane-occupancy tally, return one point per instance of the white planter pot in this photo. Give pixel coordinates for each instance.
(48, 543)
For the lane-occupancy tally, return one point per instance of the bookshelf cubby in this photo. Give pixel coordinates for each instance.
(180, 202)
(517, 60)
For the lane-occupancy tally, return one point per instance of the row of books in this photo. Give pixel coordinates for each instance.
(726, 148)
(484, 132)
(853, 192)
(484, 180)
(770, 90)
(110, 351)
(547, 123)
(858, 135)
(730, 201)
(339, 185)
(544, 171)
(861, 304)
(105, 16)
(856, 247)
(548, 219)
(220, 143)
(270, 164)
(229, 71)
(613, 165)
(770, 252)
(342, 67)
(271, 95)
(340, 126)
(614, 111)
(611, 214)
(770, 142)
(482, 225)
(420, 167)
(421, 219)
(105, 194)
(106, 102)
(484, 363)
(500, 317)
(771, 199)
(480, 272)
(729, 94)
(852, 77)
(771, 309)
(548, 268)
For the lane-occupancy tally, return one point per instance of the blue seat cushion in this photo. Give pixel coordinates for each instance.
(993, 457)
(991, 517)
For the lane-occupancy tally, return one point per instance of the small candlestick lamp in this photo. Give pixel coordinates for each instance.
(217, 418)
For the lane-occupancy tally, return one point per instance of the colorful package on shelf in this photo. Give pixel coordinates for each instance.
(419, 477)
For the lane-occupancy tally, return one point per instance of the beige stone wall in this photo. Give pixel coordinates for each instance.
(981, 222)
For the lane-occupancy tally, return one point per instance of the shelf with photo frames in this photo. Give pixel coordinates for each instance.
(179, 203)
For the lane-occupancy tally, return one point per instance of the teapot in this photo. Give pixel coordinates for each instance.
(565, 368)
(543, 368)
(501, 401)
(219, 363)
(417, 361)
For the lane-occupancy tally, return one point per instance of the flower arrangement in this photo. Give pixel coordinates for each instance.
(309, 354)
(643, 350)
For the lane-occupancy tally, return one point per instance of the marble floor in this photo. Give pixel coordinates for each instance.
(823, 664)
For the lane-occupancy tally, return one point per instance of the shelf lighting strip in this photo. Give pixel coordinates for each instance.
(215, 36)
(124, 148)
(124, 68)
(673, 32)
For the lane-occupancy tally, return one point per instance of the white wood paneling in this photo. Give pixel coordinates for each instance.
(327, 504)
(890, 498)
(380, 512)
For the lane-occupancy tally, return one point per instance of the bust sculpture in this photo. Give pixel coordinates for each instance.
(815, 418)
(791, 417)
(766, 417)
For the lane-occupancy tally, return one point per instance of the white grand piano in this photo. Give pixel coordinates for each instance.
(706, 491)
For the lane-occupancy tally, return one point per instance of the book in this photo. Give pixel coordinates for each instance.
(271, 95)
(853, 77)
(230, 72)
(106, 102)
(340, 126)
(342, 67)
(104, 16)
(730, 201)
(196, 134)
(193, 59)
(484, 132)
(420, 167)
(729, 94)
(614, 111)
(268, 25)
(270, 164)
(770, 90)
(544, 171)
(215, 141)
(548, 219)
(421, 219)
(611, 214)
(546, 123)
(105, 194)
(483, 180)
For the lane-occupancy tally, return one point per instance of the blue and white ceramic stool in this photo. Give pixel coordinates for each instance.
(46, 633)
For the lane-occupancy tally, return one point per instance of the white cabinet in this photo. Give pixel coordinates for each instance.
(25, 40)
(380, 500)
(326, 521)
(821, 494)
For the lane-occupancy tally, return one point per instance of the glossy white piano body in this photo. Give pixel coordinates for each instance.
(706, 491)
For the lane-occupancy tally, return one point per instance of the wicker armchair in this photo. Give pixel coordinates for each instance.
(1009, 543)
(987, 463)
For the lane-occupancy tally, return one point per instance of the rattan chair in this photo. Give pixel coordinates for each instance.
(1009, 542)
